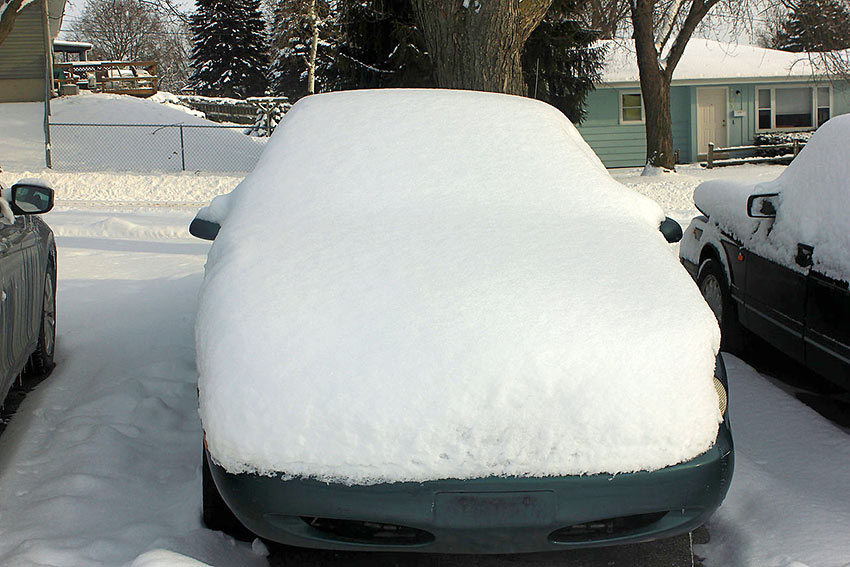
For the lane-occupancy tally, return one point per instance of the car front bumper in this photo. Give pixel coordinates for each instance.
(489, 515)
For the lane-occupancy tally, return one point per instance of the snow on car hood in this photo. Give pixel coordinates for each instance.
(813, 205)
(427, 284)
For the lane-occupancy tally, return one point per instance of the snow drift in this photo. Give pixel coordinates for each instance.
(417, 285)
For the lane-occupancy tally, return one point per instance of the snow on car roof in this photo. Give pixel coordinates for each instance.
(426, 284)
(814, 201)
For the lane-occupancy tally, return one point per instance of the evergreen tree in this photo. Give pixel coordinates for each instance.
(814, 25)
(230, 49)
(381, 47)
(559, 63)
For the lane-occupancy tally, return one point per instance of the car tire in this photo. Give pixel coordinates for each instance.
(215, 513)
(714, 287)
(41, 361)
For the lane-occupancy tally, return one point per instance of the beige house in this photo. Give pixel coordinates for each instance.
(26, 57)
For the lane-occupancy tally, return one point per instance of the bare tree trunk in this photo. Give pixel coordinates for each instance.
(314, 46)
(655, 88)
(10, 14)
(477, 44)
(656, 73)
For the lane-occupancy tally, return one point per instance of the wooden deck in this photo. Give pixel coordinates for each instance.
(137, 78)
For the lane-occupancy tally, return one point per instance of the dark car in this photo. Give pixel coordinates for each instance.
(418, 333)
(28, 276)
(772, 259)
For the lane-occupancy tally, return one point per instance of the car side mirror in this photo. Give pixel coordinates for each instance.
(762, 206)
(204, 229)
(671, 230)
(30, 199)
(804, 255)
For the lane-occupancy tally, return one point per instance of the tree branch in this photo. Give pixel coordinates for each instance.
(10, 14)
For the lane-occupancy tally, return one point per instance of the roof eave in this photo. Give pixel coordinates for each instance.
(718, 80)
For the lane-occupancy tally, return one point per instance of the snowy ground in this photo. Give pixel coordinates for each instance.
(101, 462)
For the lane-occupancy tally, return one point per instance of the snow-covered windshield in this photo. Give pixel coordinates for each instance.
(429, 284)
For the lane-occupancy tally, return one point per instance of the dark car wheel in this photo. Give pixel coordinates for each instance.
(714, 287)
(41, 361)
(215, 514)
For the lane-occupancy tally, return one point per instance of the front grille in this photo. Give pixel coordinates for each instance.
(602, 529)
(357, 531)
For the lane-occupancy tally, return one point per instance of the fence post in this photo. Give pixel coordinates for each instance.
(710, 160)
(182, 151)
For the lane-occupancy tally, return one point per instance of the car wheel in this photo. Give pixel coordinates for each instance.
(41, 361)
(215, 513)
(714, 287)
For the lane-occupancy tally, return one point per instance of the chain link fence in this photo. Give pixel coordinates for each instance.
(153, 147)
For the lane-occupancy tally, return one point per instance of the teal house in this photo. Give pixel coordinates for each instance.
(720, 93)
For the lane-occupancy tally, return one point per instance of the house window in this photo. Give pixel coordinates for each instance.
(631, 108)
(765, 112)
(792, 108)
(824, 104)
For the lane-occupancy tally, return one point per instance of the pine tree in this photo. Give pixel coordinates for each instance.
(230, 49)
(559, 63)
(814, 26)
(380, 47)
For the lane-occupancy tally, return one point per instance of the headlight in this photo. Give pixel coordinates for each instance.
(721, 395)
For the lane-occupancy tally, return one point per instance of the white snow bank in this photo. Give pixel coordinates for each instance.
(132, 144)
(102, 462)
(813, 205)
(789, 505)
(108, 188)
(164, 558)
(21, 136)
(416, 285)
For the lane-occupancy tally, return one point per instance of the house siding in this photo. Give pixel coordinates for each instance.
(624, 145)
(22, 57)
(617, 145)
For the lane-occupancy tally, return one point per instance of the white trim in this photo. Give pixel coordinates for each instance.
(621, 120)
(726, 110)
(719, 81)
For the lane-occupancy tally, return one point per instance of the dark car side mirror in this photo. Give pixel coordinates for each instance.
(204, 229)
(804, 255)
(762, 206)
(671, 230)
(31, 199)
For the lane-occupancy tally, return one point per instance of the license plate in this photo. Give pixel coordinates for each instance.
(494, 509)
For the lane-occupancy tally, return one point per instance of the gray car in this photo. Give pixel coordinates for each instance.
(28, 278)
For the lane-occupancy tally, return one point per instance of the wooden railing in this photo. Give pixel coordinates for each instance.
(138, 78)
(737, 155)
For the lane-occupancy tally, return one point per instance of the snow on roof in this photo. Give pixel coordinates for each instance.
(59, 44)
(708, 59)
(427, 284)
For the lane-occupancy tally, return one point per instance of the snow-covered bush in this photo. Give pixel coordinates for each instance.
(268, 117)
(775, 138)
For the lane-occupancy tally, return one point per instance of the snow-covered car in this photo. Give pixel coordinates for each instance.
(774, 258)
(28, 278)
(432, 321)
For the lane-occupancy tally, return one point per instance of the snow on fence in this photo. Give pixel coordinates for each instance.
(153, 147)
(765, 153)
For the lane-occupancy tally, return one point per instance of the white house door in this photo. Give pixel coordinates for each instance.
(711, 118)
